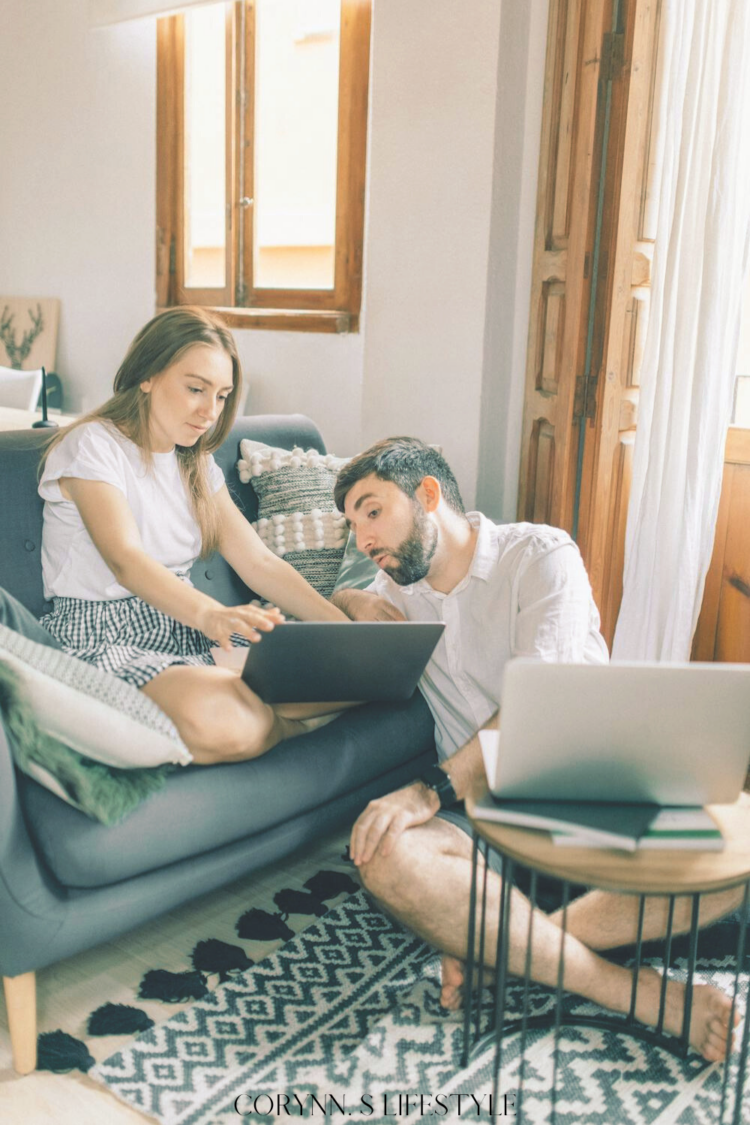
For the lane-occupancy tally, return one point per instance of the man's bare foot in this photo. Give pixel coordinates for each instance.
(452, 978)
(709, 1018)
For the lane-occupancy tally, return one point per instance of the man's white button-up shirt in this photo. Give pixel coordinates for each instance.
(526, 594)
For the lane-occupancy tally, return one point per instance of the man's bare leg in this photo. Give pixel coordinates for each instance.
(603, 920)
(425, 883)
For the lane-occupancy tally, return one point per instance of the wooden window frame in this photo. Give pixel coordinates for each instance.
(309, 310)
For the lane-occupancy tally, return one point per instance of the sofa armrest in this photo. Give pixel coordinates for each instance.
(32, 905)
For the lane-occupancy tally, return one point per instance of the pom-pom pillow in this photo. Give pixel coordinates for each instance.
(297, 518)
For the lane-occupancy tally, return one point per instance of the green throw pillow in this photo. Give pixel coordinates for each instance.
(358, 570)
(102, 792)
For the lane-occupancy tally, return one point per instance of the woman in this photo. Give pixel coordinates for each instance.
(132, 497)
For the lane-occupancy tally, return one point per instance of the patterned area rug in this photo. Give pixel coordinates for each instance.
(344, 1021)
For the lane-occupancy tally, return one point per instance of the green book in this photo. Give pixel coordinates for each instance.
(678, 829)
(603, 824)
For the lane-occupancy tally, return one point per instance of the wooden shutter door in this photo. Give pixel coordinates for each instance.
(560, 287)
(559, 400)
(622, 312)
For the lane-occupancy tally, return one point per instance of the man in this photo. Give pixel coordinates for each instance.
(502, 591)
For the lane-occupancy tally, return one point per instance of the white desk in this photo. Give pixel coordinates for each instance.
(12, 419)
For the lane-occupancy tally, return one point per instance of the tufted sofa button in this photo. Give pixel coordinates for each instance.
(29, 545)
(209, 574)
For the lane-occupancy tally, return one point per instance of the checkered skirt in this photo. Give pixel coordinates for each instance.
(126, 637)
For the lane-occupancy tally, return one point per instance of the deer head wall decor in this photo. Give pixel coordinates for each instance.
(18, 352)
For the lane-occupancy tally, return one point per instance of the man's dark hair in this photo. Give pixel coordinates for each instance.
(405, 461)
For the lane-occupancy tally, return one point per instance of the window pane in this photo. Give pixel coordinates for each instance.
(205, 147)
(296, 137)
(741, 416)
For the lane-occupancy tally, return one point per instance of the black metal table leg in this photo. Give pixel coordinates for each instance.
(690, 982)
(638, 957)
(665, 974)
(559, 995)
(501, 968)
(480, 956)
(740, 1087)
(526, 987)
(470, 951)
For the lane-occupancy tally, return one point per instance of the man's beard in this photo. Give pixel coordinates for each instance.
(415, 554)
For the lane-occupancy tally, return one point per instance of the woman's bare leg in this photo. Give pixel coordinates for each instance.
(219, 718)
(236, 661)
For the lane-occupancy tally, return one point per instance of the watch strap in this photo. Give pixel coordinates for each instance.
(437, 780)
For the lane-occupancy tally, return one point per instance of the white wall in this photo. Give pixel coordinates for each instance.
(77, 205)
(523, 38)
(434, 75)
(77, 215)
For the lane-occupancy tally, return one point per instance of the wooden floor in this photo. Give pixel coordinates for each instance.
(68, 992)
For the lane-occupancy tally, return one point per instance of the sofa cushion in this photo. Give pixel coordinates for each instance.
(205, 807)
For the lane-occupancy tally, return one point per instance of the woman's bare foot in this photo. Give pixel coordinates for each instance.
(709, 1017)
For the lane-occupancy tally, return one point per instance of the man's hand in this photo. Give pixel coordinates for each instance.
(380, 825)
(361, 606)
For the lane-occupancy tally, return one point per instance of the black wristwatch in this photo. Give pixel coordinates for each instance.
(436, 779)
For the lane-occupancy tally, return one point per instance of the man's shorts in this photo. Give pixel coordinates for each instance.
(548, 889)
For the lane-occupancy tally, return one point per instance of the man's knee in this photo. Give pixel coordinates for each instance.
(386, 877)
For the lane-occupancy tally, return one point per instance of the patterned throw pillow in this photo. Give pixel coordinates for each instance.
(297, 518)
(89, 710)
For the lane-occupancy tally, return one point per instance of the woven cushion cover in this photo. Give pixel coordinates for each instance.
(297, 518)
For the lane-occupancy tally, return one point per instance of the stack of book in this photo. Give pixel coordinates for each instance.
(627, 827)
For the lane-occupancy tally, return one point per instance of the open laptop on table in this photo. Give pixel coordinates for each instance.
(339, 661)
(640, 733)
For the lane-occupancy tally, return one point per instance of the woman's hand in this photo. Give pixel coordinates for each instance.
(218, 622)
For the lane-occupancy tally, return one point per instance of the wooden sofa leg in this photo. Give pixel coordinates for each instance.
(20, 1002)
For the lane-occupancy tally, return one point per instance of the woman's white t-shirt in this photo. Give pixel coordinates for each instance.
(71, 565)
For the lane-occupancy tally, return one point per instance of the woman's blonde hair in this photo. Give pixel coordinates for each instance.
(156, 347)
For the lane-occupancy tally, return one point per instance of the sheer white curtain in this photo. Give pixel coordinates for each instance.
(687, 379)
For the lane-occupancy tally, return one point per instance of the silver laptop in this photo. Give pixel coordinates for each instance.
(332, 661)
(670, 734)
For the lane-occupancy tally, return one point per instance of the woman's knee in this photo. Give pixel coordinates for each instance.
(218, 717)
(235, 728)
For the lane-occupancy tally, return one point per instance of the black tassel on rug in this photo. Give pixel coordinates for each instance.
(60, 1053)
(299, 902)
(214, 956)
(172, 988)
(118, 1019)
(329, 884)
(259, 925)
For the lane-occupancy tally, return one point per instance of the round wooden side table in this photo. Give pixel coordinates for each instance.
(667, 872)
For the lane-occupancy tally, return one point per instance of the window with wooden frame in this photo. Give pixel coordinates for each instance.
(261, 146)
